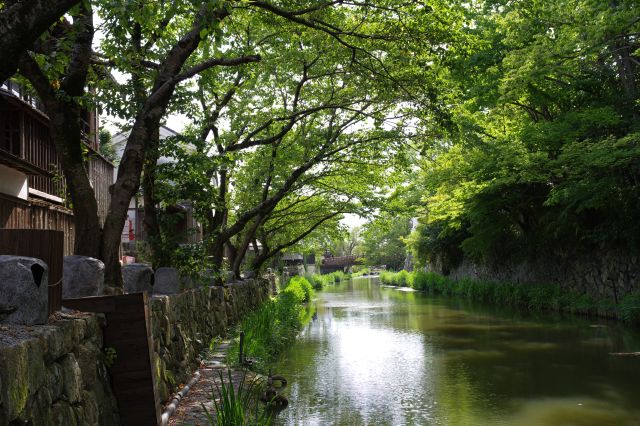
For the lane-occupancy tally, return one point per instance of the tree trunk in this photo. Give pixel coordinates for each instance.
(21, 24)
(626, 73)
(64, 113)
(215, 222)
(151, 222)
(244, 245)
(66, 135)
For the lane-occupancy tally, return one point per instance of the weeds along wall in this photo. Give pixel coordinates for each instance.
(183, 324)
(607, 276)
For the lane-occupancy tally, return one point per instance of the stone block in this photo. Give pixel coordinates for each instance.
(138, 277)
(54, 380)
(62, 414)
(71, 378)
(24, 292)
(167, 281)
(87, 357)
(82, 277)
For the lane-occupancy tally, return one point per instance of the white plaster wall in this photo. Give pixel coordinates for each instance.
(13, 182)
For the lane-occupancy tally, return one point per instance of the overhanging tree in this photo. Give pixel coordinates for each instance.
(21, 24)
(158, 46)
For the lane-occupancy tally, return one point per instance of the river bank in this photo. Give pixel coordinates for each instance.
(544, 297)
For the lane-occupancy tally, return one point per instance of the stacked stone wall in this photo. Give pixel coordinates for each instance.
(55, 374)
(606, 275)
(183, 325)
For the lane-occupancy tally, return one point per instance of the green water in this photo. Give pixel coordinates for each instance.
(380, 356)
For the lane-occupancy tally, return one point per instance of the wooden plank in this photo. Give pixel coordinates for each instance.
(100, 304)
(127, 337)
(127, 331)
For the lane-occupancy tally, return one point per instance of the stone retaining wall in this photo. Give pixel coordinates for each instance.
(602, 276)
(183, 325)
(55, 374)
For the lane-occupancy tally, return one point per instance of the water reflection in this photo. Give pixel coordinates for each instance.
(375, 355)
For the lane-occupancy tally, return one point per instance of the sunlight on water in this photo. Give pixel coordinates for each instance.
(379, 356)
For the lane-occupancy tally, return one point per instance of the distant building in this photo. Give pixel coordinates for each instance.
(299, 264)
(32, 185)
(133, 232)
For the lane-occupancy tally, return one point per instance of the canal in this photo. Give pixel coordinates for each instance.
(381, 356)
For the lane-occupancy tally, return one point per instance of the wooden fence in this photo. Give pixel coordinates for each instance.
(20, 214)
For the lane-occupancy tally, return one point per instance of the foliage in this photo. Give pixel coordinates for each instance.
(338, 276)
(347, 244)
(403, 279)
(532, 296)
(386, 277)
(630, 308)
(300, 288)
(383, 240)
(271, 328)
(399, 279)
(540, 152)
(318, 282)
(236, 407)
(191, 260)
(361, 272)
(110, 356)
(107, 150)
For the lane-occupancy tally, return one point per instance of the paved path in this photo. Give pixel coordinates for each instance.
(190, 411)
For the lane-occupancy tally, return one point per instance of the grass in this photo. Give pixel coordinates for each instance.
(236, 407)
(274, 326)
(318, 282)
(523, 296)
(398, 279)
(361, 272)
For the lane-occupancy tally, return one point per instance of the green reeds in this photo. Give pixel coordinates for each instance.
(274, 326)
(236, 407)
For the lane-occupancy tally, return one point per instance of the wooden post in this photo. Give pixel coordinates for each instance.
(240, 352)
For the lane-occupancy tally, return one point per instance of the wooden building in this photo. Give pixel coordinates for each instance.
(32, 186)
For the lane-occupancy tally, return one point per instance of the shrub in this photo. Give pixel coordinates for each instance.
(316, 281)
(532, 297)
(402, 279)
(301, 288)
(361, 272)
(421, 280)
(339, 276)
(386, 277)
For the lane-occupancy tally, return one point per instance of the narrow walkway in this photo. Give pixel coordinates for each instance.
(190, 411)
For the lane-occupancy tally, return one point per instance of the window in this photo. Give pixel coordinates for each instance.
(10, 132)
